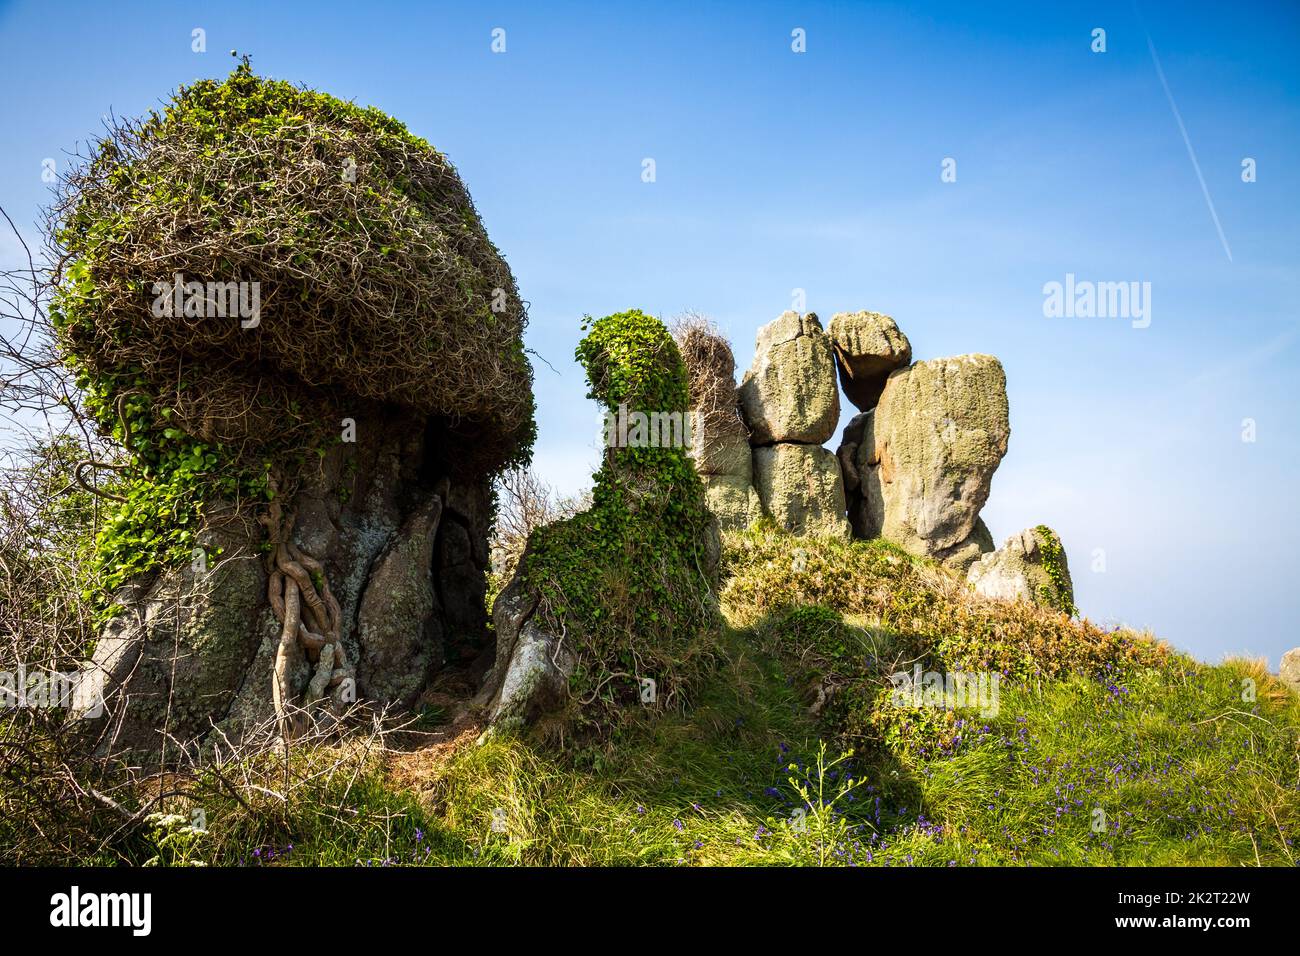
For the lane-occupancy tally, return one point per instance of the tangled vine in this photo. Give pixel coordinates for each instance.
(310, 627)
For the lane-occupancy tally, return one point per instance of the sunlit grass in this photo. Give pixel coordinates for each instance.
(1139, 757)
(1169, 768)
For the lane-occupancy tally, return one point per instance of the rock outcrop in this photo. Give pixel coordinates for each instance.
(868, 347)
(298, 420)
(925, 457)
(790, 402)
(1030, 567)
(1290, 669)
(789, 393)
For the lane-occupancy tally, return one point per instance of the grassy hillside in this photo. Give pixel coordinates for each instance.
(1106, 748)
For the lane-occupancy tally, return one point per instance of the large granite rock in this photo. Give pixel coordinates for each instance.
(926, 456)
(172, 660)
(732, 499)
(868, 347)
(789, 393)
(1030, 567)
(801, 488)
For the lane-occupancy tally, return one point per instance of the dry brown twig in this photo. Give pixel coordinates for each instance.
(711, 368)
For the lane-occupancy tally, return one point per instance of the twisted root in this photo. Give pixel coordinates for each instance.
(309, 617)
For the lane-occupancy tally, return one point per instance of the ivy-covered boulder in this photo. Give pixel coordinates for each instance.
(615, 607)
(285, 310)
(256, 255)
(1031, 567)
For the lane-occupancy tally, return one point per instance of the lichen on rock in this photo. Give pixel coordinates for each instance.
(801, 489)
(789, 392)
(926, 456)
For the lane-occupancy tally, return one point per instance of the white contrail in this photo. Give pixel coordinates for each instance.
(1187, 141)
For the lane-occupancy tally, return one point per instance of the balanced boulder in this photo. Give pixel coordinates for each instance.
(1031, 567)
(801, 488)
(868, 347)
(926, 455)
(789, 393)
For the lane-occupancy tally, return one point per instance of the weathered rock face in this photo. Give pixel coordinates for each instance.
(178, 652)
(961, 556)
(789, 393)
(715, 454)
(791, 404)
(732, 499)
(1290, 669)
(531, 672)
(397, 627)
(801, 488)
(1030, 567)
(926, 454)
(402, 537)
(868, 347)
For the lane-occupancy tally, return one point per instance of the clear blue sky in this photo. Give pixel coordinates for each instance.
(821, 171)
